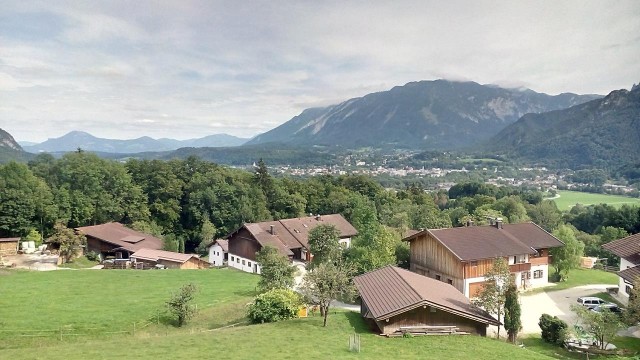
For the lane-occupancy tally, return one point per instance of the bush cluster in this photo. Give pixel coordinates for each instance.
(554, 330)
(275, 305)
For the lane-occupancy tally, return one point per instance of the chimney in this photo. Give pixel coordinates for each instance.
(318, 217)
(272, 229)
(499, 223)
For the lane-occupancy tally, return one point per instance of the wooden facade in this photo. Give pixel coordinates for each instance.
(543, 258)
(193, 263)
(430, 258)
(9, 247)
(428, 316)
(243, 244)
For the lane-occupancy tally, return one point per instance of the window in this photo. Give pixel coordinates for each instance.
(437, 277)
(628, 290)
(537, 274)
(232, 258)
(238, 260)
(249, 263)
(474, 263)
(242, 261)
(450, 281)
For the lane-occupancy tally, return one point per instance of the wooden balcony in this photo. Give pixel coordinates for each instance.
(520, 267)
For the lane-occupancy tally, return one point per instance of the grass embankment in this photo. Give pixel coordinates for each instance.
(79, 263)
(579, 277)
(568, 199)
(113, 299)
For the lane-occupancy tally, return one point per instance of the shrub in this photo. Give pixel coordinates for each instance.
(275, 305)
(180, 304)
(554, 330)
(93, 256)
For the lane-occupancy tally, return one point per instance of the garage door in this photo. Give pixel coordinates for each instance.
(475, 288)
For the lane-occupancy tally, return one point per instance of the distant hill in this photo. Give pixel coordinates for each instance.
(86, 141)
(10, 150)
(437, 114)
(603, 133)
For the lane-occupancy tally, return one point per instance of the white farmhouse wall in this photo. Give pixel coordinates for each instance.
(243, 264)
(544, 280)
(622, 285)
(216, 255)
(346, 242)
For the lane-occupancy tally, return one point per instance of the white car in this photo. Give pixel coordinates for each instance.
(590, 302)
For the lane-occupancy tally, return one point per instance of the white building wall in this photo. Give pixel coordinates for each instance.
(622, 285)
(544, 280)
(243, 264)
(216, 255)
(346, 242)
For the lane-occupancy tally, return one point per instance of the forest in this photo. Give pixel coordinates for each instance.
(191, 202)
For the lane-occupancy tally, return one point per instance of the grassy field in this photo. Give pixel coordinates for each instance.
(82, 300)
(99, 301)
(578, 277)
(568, 199)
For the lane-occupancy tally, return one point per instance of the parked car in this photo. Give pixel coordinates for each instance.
(590, 301)
(610, 307)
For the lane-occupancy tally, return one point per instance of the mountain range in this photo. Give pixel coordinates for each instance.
(438, 114)
(10, 149)
(79, 139)
(603, 133)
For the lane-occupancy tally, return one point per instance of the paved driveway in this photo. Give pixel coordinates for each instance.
(555, 303)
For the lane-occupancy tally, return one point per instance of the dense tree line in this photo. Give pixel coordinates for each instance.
(191, 202)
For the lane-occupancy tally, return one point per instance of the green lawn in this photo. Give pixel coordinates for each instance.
(568, 199)
(98, 301)
(578, 277)
(79, 263)
(294, 339)
(536, 345)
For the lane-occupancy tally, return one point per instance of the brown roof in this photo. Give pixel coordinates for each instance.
(294, 233)
(155, 255)
(486, 242)
(390, 291)
(627, 248)
(119, 235)
(16, 239)
(630, 274)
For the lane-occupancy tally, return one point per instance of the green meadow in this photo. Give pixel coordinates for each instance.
(568, 199)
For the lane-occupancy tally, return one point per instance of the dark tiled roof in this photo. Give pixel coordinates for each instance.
(486, 242)
(627, 248)
(630, 274)
(120, 235)
(390, 291)
(224, 244)
(16, 239)
(294, 233)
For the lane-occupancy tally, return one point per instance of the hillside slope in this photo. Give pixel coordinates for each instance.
(437, 114)
(602, 133)
(10, 150)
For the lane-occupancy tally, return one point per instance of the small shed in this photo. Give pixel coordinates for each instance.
(9, 246)
(169, 259)
(396, 301)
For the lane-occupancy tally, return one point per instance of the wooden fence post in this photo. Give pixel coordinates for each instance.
(134, 328)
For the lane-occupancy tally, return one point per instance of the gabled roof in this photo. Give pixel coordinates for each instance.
(121, 236)
(155, 255)
(293, 233)
(627, 248)
(390, 291)
(487, 242)
(224, 244)
(630, 274)
(15, 239)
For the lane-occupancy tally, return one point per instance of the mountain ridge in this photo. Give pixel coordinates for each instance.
(84, 140)
(438, 114)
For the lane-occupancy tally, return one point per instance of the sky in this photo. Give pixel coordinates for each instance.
(186, 69)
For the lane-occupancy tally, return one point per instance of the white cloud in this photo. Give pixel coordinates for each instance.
(180, 69)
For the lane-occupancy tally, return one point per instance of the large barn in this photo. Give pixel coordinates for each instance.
(396, 300)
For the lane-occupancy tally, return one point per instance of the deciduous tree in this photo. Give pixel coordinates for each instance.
(327, 282)
(603, 326)
(275, 270)
(67, 240)
(566, 257)
(492, 297)
(180, 304)
(324, 244)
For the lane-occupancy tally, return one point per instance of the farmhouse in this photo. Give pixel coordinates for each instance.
(171, 260)
(219, 252)
(628, 249)
(289, 236)
(114, 239)
(461, 256)
(395, 300)
(9, 246)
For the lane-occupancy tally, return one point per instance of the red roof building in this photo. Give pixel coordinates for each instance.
(115, 239)
(628, 249)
